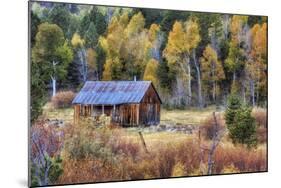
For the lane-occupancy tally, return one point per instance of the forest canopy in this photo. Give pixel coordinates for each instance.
(193, 59)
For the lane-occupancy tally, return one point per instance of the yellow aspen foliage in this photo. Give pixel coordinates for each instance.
(176, 44)
(113, 25)
(91, 58)
(112, 69)
(150, 72)
(181, 40)
(256, 66)
(106, 75)
(211, 70)
(192, 36)
(135, 25)
(114, 40)
(259, 40)
(211, 67)
(77, 41)
(236, 26)
(124, 19)
(153, 32)
(234, 60)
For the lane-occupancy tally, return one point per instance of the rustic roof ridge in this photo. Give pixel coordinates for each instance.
(112, 92)
(118, 81)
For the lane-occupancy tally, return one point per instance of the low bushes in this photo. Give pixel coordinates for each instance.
(188, 154)
(239, 159)
(262, 134)
(63, 99)
(46, 145)
(105, 154)
(260, 116)
(208, 129)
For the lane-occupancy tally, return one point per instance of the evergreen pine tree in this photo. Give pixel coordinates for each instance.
(244, 131)
(240, 123)
(233, 105)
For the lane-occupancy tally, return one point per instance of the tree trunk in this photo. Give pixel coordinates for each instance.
(234, 77)
(252, 88)
(54, 81)
(53, 77)
(83, 63)
(200, 100)
(189, 92)
(214, 91)
(244, 94)
(214, 83)
(215, 141)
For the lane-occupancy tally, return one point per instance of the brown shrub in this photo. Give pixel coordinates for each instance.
(260, 116)
(90, 170)
(188, 154)
(240, 158)
(118, 157)
(144, 168)
(229, 169)
(63, 99)
(124, 147)
(166, 156)
(179, 170)
(207, 129)
(262, 134)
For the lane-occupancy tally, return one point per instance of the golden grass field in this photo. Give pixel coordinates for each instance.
(186, 117)
(182, 117)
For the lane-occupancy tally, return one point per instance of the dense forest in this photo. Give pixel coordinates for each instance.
(209, 69)
(193, 59)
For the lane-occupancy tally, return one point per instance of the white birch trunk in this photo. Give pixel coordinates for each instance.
(54, 81)
(53, 78)
(82, 56)
(189, 92)
(252, 90)
(200, 100)
(214, 91)
(214, 83)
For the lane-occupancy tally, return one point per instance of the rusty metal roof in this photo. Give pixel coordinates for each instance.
(112, 92)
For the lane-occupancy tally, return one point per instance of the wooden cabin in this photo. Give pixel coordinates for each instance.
(128, 103)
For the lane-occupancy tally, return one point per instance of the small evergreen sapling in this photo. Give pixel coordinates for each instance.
(244, 131)
(233, 104)
(240, 123)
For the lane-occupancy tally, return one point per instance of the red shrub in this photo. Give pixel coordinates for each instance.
(243, 159)
(63, 99)
(45, 138)
(207, 129)
(166, 156)
(262, 134)
(188, 154)
(126, 147)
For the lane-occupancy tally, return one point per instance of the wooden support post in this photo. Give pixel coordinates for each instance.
(138, 114)
(75, 113)
(143, 142)
(114, 113)
(102, 109)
